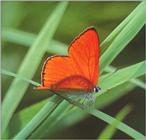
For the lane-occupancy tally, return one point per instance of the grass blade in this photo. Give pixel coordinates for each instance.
(6, 72)
(75, 115)
(122, 75)
(134, 81)
(109, 131)
(19, 120)
(26, 39)
(139, 83)
(107, 118)
(40, 45)
(123, 127)
(51, 120)
(105, 44)
(47, 109)
(123, 38)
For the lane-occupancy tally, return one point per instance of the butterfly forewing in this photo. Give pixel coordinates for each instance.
(84, 52)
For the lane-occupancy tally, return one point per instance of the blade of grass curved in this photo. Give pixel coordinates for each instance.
(107, 118)
(47, 109)
(34, 54)
(109, 130)
(123, 38)
(105, 44)
(139, 83)
(25, 38)
(134, 81)
(59, 121)
(122, 75)
(123, 127)
(19, 120)
(6, 72)
(19, 37)
(67, 119)
(51, 120)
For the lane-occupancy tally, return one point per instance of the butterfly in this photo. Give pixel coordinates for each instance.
(77, 72)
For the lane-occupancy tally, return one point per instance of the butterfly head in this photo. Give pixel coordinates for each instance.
(96, 89)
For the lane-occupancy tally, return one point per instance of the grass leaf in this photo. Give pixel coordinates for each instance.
(122, 75)
(26, 39)
(105, 44)
(107, 118)
(35, 54)
(6, 72)
(66, 119)
(134, 81)
(123, 38)
(109, 131)
(47, 109)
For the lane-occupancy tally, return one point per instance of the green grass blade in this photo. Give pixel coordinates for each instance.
(40, 45)
(107, 118)
(47, 109)
(139, 83)
(123, 127)
(8, 73)
(105, 44)
(123, 38)
(67, 119)
(135, 81)
(26, 39)
(109, 131)
(19, 120)
(51, 120)
(122, 75)
(18, 37)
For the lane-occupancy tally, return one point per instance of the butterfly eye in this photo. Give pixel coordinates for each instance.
(97, 89)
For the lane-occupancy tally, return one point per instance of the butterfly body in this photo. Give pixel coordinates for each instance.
(78, 72)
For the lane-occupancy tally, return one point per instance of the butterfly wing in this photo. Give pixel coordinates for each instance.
(84, 52)
(79, 69)
(55, 69)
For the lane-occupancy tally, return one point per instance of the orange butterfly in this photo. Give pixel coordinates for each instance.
(79, 71)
